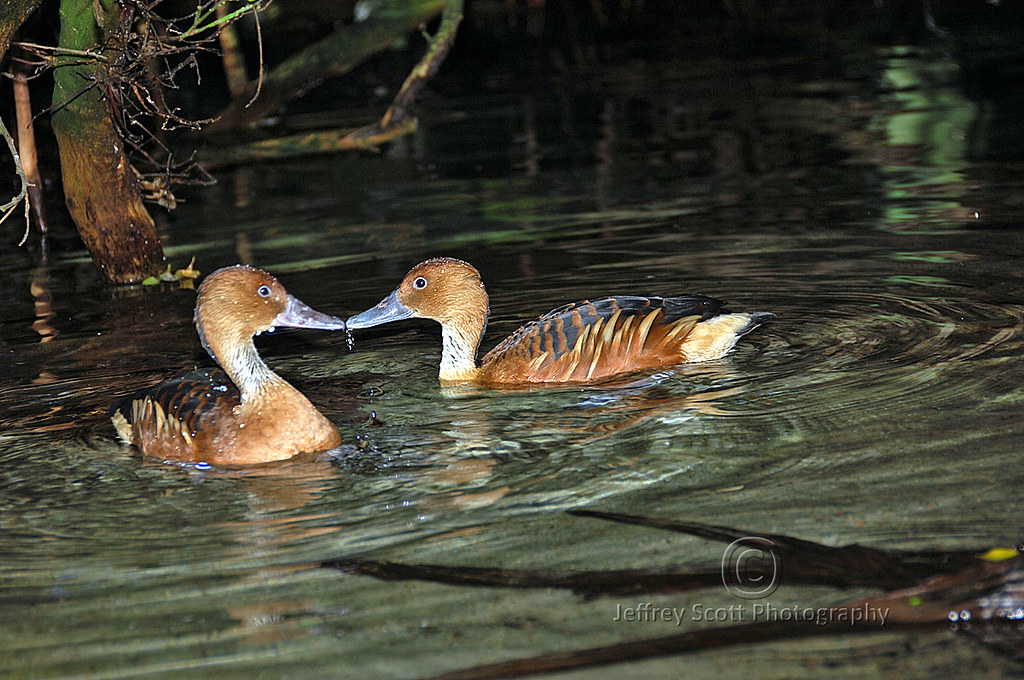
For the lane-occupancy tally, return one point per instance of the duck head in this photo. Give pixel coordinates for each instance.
(235, 303)
(443, 289)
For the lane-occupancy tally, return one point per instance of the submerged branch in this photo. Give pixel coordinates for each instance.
(359, 139)
(921, 608)
(922, 589)
(331, 57)
(440, 45)
(669, 645)
(396, 122)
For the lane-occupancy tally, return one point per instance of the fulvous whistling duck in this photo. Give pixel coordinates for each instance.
(580, 342)
(246, 413)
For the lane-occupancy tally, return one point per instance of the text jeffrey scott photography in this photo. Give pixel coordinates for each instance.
(649, 612)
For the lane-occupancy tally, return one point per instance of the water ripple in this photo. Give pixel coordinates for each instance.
(887, 351)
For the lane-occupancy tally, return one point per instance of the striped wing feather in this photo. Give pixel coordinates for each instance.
(586, 340)
(173, 417)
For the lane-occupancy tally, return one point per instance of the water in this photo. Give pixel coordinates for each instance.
(865, 203)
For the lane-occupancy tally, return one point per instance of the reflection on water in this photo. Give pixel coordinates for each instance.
(881, 406)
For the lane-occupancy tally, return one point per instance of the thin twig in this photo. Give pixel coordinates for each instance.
(59, 51)
(196, 28)
(9, 207)
(259, 45)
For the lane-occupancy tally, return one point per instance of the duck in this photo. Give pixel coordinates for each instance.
(242, 413)
(581, 342)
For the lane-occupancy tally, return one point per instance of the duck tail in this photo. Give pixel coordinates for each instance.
(756, 319)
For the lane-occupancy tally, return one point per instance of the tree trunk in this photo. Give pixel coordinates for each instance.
(100, 186)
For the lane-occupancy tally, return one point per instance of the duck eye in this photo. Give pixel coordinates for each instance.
(419, 283)
(264, 291)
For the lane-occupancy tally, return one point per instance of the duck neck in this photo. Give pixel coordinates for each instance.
(234, 350)
(248, 371)
(460, 340)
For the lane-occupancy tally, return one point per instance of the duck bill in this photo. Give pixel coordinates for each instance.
(387, 310)
(300, 315)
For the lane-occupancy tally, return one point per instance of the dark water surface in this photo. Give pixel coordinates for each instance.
(865, 200)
